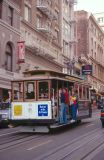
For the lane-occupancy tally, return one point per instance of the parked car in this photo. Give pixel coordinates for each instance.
(4, 114)
(102, 117)
(99, 103)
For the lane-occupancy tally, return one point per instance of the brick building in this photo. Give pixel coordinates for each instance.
(46, 27)
(42, 29)
(68, 34)
(100, 19)
(9, 36)
(91, 47)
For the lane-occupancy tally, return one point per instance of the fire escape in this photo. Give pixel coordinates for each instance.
(45, 27)
(45, 8)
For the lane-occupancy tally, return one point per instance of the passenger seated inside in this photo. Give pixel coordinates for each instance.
(30, 95)
(16, 95)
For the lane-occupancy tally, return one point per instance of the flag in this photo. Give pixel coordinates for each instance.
(21, 52)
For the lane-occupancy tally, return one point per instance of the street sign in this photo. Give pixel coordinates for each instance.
(43, 110)
(87, 70)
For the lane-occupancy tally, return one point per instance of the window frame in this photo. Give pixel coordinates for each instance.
(25, 99)
(10, 15)
(43, 99)
(12, 96)
(8, 54)
(27, 16)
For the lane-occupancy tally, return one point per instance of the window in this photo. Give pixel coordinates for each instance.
(66, 30)
(65, 48)
(95, 55)
(88, 93)
(57, 34)
(100, 19)
(39, 22)
(56, 14)
(95, 45)
(43, 90)
(92, 52)
(80, 92)
(65, 7)
(84, 92)
(0, 9)
(27, 14)
(76, 87)
(17, 91)
(92, 41)
(95, 69)
(10, 16)
(8, 61)
(30, 90)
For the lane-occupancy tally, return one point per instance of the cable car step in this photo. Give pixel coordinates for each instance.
(35, 129)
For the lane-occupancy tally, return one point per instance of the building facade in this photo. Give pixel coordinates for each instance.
(45, 26)
(68, 34)
(43, 30)
(100, 19)
(91, 46)
(9, 36)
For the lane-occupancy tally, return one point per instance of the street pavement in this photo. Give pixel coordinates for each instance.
(77, 142)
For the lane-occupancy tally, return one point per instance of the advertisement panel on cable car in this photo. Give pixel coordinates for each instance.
(31, 110)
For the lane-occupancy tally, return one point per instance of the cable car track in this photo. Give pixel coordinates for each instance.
(17, 139)
(74, 149)
(12, 138)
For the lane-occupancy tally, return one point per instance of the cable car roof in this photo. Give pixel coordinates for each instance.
(48, 72)
(49, 75)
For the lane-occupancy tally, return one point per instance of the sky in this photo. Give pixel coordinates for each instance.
(93, 6)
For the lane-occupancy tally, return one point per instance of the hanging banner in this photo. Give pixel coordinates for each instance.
(21, 52)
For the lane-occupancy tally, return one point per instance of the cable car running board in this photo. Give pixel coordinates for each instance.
(35, 129)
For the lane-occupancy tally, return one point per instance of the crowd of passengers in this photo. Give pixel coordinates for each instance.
(68, 102)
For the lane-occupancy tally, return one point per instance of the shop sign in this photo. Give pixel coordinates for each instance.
(87, 70)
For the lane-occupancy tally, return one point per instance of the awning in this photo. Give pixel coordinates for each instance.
(5, 84)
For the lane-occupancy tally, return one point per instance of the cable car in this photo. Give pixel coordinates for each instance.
(36, 99)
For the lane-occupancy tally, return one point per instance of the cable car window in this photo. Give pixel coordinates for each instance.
(17, 91)
(84, 92)
(80, 92)
(87, 93)
(76, 88)
(43, 90)
(30, 90)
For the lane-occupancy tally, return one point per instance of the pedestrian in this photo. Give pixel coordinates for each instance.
(102, 104)
(63, 116)
(74, 105)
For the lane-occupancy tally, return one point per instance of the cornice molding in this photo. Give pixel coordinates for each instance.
(12, 5)
(6, 25)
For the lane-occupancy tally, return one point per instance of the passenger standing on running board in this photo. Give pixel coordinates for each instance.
(63, 116)
(73, 104)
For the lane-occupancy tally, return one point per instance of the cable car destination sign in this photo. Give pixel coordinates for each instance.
(87, 70)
